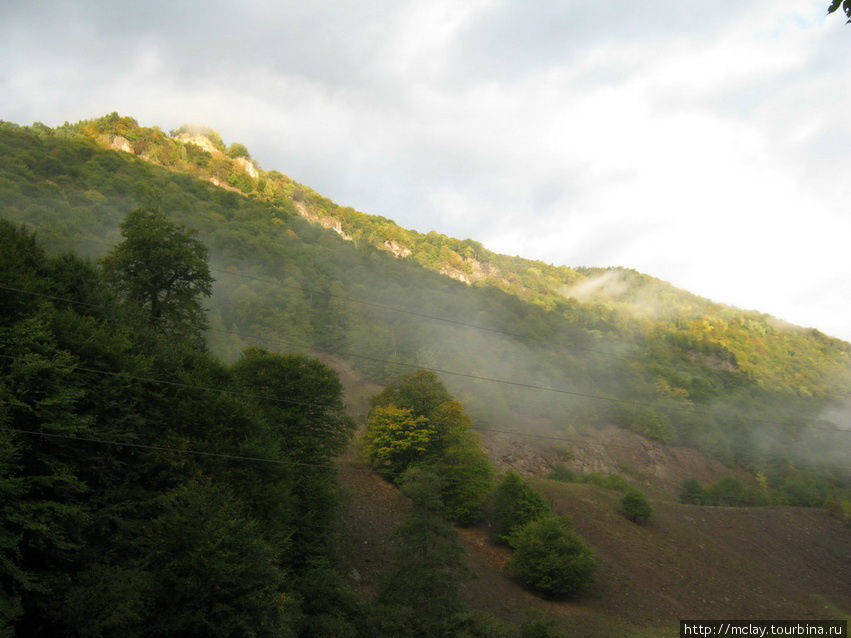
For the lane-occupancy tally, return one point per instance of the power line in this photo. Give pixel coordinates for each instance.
(74, 368)
(407, 312)
(373, 304)
(177, 384)
(519, 384)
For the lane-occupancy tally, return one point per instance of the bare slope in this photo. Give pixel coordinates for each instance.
(689, 562)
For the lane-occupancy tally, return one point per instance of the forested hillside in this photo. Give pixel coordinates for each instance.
(167, 444)
(523, 344)
(147, 489)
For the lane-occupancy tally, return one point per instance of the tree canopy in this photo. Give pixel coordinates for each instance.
(416, 423)
(163, 270)
(134, 505)
(846, 7)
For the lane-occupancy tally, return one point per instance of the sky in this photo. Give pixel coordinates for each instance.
(703, 142)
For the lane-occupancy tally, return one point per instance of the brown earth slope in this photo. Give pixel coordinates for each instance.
(688, 562)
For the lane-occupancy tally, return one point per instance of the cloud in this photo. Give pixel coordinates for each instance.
(704, 143)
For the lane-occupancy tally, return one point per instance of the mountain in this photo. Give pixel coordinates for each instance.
(598, 378)
(529, 344)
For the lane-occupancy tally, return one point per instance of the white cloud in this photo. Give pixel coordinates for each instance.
(704, 143)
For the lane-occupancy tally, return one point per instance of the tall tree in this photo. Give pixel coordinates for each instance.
(420, 596)
(163, 270)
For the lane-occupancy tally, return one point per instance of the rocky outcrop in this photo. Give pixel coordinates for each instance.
(471, 271)
(116, 143)
(608, 449)
(248, 166)
(198, 140)
(326, 221)
(215, 181)
(400, 251)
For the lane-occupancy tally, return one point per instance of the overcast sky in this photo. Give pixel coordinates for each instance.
(705, 142)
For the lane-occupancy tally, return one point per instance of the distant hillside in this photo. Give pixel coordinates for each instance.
(690, 562)
(528, 346)
(778, 356)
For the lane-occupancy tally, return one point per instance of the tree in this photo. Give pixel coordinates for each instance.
(635, 506)
(692, 492)
(726, 491)
(551, 558)
(419, 596)
(420, 392)
(516, 503)
(238, 150)
(162, 270)
(846, 7)
(395, 438)
(416, 422)
(468, 481)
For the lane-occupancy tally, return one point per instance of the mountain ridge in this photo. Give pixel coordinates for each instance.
(643, 297)
(667, 357)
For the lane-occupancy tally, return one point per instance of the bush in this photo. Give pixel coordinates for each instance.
(635, 506)
(692, 493)
(613, 481)
(804, 493)
(550, 558)
(516, 503)
(726, 491)
(562, 473)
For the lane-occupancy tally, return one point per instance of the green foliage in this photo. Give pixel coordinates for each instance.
(610, 481)
(238, 150)
(540, 628)
(711, 377)
(804, 492)
(840, 507)
(550, 558)
(162, 271)
(419, 596)
(421, 392)
(726, 491)
(692, 492)
(416, 423)
(562, 473)
(846, 7)
(635, 506)
(516, 503)
(469, 480)
(395, 439)
(646, 421)
(128, 513)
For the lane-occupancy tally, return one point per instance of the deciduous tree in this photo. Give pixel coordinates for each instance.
(162, 270)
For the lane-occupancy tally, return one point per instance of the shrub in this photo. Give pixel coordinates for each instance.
(635, 506)
(550, 558)
(562, 473)
(613, 481)
(726, 491)
(516, 503)
(805, 493)
(692, 492)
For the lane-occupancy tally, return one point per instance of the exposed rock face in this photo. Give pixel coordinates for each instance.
(215, 181)
(400, 251)
(198, 140)
(325, 221)
(608, 449)
(248, 166)
(473, 270)
(119, 143)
